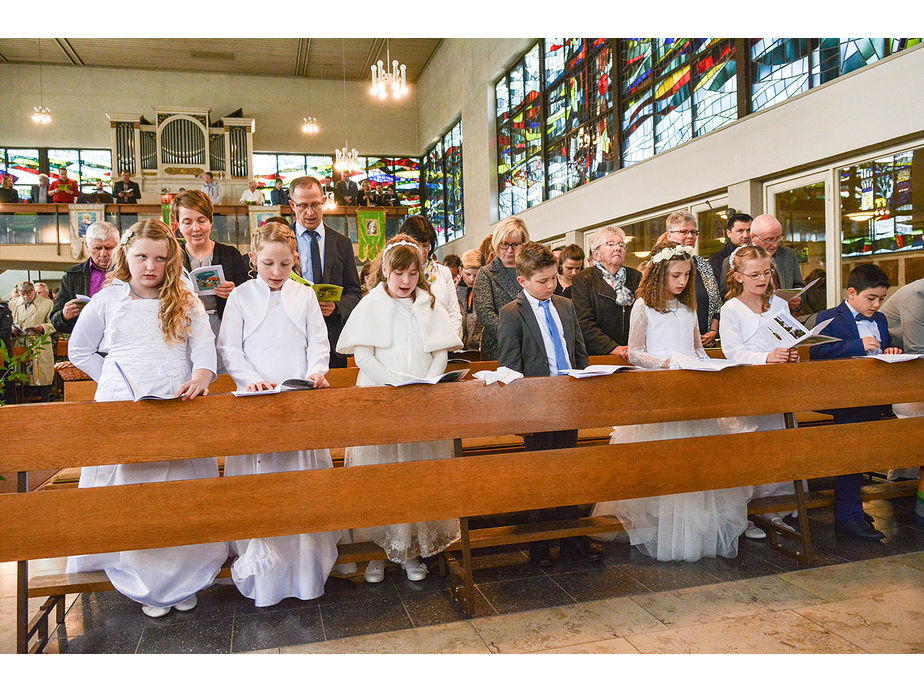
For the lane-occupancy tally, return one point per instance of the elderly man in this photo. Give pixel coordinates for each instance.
(603, 294)
(85, 278)
(326, 258)
(41, 288)
(31, 320)
(737, 233)
(252, 196)
(211, 188)
(40, 194)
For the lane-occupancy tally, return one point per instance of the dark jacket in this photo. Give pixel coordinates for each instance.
(233, 265)
(9, 196)
(604, 322)
(119, 186)
(6, 328)
(494, 288)
(716, 260)
(95, 198)
(520, 343)
(35, 194)
(279, 197)
(75, 281)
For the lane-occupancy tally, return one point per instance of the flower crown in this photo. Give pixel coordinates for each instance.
(126, 237)
(396, 244)
(677, 252)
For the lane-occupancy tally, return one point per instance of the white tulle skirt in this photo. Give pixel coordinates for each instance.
(684, 526)
(403, 542)
(271, 569)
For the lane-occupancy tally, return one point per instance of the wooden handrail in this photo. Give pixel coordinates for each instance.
(69, 434)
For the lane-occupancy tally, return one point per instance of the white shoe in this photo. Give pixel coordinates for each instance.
(754, 532)
(779, 521)
(415, 570)
(187, 604)
(375, 571)
(155, 611)
(345, 569)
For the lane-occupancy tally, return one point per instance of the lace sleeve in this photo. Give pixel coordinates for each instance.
(638, 327)
(698, 342)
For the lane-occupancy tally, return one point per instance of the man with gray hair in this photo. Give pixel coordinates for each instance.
(85, 278)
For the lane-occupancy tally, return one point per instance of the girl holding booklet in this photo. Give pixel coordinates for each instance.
(398, 332)
(272, 331)
(750, 302)
(154, 330)
(685, 526)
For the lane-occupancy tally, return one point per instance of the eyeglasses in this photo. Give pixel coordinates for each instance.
(754, 276)
(614, 244)
(768, 241)
(302, 206)
(686, 232)
(509, 246)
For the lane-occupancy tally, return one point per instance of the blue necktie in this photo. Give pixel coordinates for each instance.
(860, 317)
(561, 360)
(316, 272)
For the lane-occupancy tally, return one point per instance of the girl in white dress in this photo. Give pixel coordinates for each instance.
(156, 330)
(273, 330)
(749, 305)
(398, 332)
(685, 526)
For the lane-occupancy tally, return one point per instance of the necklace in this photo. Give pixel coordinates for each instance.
(137, 295)
(676, 306)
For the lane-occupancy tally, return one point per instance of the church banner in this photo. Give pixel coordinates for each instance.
(80, 217)
(370, 230)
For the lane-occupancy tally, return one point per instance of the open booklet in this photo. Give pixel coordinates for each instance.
(789, 294)
(691, 363)
(891, 358)
(325, 292)
(285, 386)
(447, 377)
(81, 298)
(598, 369)
(205, 279)
(138, 393)
(790, 332)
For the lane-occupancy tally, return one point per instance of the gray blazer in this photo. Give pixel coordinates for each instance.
(787, 268)
(494, 288)
(521, 346)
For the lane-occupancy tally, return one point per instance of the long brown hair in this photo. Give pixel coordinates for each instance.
(736, 264)
(400, 258)
(654, 279)
(175, 297)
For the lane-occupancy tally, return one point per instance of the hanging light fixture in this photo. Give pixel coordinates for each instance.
(41, 114)
(383, 80)
(310, 123)
(346, 159)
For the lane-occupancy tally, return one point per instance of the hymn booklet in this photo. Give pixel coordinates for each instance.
(447, 377)
(285, 386)
(205, 279)
(598, 369)
(325, 292)
(138, 393)
(790, 332)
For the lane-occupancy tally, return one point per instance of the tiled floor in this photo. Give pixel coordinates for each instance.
(861, 597)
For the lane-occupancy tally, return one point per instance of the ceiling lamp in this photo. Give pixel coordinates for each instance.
(383, 80)
(347, 159)
(41, 115)
(329, 202)
(861, 216)
(310, 125)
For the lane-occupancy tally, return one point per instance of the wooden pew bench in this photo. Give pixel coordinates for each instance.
(76, 521)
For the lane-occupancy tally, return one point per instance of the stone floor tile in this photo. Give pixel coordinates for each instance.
(623, 616)
(363, 616)
(610, 646)
(448, 638)
(666, 575)
(527, 593)
(188, 637)
(915, 560)
(277, 629)
(600, 582)
(431, 608)
(848, 580)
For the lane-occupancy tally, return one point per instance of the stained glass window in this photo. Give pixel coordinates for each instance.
(779, 70)
(715, 84)
(264, 170)
(434, 206)
(554, 59)
(673, 106)
(442, 171)
(637, 110)
(95, 165)
(407, 182)
(319, 166)
(601, 87)
(502, 97)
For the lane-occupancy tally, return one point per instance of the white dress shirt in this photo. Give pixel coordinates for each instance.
(866, 328)
(539, 312)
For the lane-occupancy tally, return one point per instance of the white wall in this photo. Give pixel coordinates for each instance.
(859, 111)
(79, 98)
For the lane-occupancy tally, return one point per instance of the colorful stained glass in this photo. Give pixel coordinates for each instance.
(637, 125)
(779, 70)
(379, 170)
(555, 123)
(601, 87)
(516, 94)
(502, 97)
(558, 170)
(534, 181)
(64, 158)
(95, 165)
(407, 180)
(603, 155)
(319, 166)
(518, 139)
(517, 185)
(531, 74)
(264, 170)
(554, 59)
(715, 84)
(580, 148)
(533, 129)
(452, 148)
(575, 97)
(575, 52)
(504, 195)
(434, 205)
(23, 165)
(673, 106)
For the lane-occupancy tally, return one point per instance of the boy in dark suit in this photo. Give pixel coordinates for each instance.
(862, 330)
(539, 335)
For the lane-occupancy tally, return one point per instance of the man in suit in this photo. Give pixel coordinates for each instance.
(40, 194)
(98, 196)
(538, 336)
(279, 195)
(326, 258)
(862, 330)
(126, 191)
(737, 233)
(346, 191)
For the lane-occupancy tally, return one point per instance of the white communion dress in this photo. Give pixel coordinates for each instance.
(746, 340)
(684, 526)
(395, 340)
(273, 336)
(128, 331)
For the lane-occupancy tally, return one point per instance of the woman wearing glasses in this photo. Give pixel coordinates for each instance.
(681, 228)
(603, 294)
(496, 283)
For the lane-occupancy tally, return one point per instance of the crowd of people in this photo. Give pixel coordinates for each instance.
(134, 315)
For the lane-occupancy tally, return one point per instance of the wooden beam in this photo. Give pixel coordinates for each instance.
(69, 51)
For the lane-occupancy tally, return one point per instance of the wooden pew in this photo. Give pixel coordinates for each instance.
(39, 525)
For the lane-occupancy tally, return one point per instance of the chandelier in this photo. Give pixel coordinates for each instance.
(346, 159)
(41, 115)
(329, 202)
(310, 125)
(382, 80)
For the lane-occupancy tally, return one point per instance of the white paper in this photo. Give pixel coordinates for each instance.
(289, 385)
(82, 298)
(692, 363)
(135, 391)
(447, 377)
(595, 370)
(501, 375)
(789, 294)
(891, 358)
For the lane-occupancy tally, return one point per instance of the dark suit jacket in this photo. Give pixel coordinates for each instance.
(520, 343)
(339, 269)
(604, 322)
(119, 186)
(279, 197)
(35, 192)
(233, 265)
(96, 198)
(342, 189)
(844, 326)
(716, 260)
(75, 281)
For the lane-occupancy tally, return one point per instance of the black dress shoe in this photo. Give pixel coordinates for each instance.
(859, 528)
(579, 550)
(540, 556)
(868, 518)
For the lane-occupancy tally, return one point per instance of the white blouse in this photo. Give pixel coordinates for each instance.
(741, 331)
(654, 336)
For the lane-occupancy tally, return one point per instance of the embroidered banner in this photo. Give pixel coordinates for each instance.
(370, 230)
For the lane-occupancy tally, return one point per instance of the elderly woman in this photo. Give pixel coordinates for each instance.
(438, 276)
(496, 283)
(681, 228)
(603, 294)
